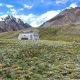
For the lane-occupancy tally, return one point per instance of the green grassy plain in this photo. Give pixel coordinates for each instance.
(39, 60)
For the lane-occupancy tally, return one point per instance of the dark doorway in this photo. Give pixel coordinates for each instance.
(24, 38)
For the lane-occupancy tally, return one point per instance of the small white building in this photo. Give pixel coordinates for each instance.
(28, 36)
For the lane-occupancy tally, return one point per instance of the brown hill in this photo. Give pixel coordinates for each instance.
(67, 16)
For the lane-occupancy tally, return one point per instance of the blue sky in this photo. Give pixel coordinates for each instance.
(35, 12)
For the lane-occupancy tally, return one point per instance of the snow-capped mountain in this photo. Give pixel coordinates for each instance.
(10, 23)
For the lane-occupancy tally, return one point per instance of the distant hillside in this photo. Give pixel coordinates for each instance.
(55, 34)
(11, 23)
(67, 16)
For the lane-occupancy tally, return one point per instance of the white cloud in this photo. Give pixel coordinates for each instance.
(27, 6)
(61, 1)
(9, 6)
(73, 5)
(44, 17)
(25, 18)
(32, 19)
(35, 20)
(3, 16)
(13, 11)
(1, 4)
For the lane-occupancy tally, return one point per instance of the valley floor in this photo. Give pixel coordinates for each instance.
(39, 60)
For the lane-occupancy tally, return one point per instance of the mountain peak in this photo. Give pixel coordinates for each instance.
(10, 23)
(10, 16)
(5, 17)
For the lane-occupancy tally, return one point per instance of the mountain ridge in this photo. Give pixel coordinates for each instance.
(67, 16)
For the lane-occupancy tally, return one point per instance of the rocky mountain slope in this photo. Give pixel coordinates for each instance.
(67, 16)
(11, 23)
